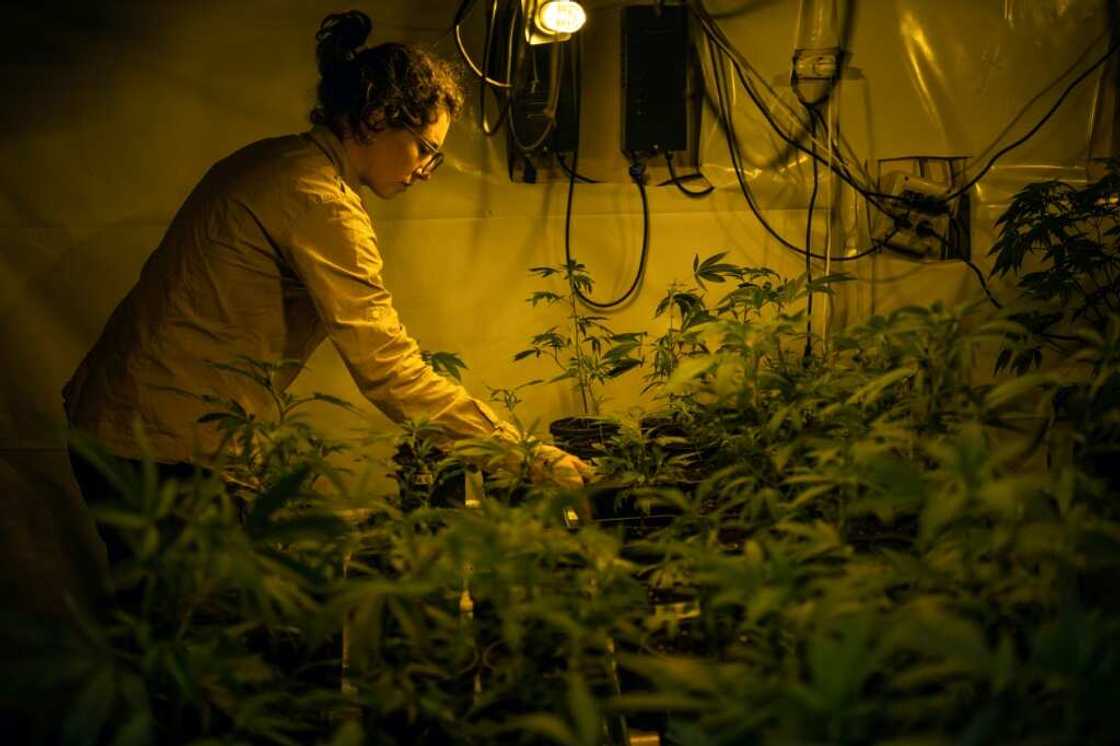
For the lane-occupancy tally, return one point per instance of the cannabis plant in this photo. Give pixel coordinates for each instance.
(864, 544)
(588, 353)
(447, 364)
(1069, 238)
(217, 628)
(883, 550)
(259, 450)
(688, 310)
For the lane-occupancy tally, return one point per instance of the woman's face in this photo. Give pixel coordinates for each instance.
(394, 158)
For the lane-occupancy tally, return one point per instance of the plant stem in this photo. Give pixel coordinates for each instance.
(581, 377)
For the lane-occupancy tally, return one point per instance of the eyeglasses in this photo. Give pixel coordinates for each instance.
(435, 155)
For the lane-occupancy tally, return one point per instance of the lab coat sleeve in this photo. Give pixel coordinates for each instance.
(331, 246)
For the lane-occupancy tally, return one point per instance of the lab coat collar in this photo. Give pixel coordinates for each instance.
(328, 141)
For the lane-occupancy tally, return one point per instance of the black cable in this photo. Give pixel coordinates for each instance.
(573, 174)
(808, 248)
(1031, 132)
(954, 225)
(492, 129)
(871, 196)
(839, 166)
(733, 151)
(674, 179)
(706, 25)
(555, 80)
(637, 173)
(841, 169)
(983, 284)
(712, 31)
(732, 144)
(683, 178)
(946, 244)
(461, 14)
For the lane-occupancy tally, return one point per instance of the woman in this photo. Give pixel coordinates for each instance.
(271, 254)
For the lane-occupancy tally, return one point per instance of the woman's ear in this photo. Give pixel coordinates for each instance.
(374, 123)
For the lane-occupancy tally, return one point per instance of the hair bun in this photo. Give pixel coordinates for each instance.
(340, 36)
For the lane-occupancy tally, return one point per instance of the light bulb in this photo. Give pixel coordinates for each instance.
(561, 16)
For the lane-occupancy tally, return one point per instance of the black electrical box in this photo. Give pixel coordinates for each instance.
(528, 112)
(655, 49)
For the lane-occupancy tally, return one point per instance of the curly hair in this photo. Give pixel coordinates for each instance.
(363, 90)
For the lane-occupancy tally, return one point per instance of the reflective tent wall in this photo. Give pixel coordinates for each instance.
(113, 110)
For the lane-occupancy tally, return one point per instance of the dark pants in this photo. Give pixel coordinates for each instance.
(98, 491)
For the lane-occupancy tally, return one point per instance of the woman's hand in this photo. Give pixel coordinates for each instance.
(552, 464)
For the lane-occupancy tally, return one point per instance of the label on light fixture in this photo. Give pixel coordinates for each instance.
(561, 17)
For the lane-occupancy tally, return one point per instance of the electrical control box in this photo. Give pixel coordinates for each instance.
(914, 218)
(655, 50)
(529, 112)
(534, 135)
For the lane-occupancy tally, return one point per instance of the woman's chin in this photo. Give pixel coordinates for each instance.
(389, 191)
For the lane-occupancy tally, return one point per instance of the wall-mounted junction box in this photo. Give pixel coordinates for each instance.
(918, 220)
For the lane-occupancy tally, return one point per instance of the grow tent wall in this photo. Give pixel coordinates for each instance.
(113, 110)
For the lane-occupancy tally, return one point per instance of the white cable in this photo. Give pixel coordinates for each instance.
(474, 67)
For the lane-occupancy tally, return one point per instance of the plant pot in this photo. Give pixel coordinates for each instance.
(585, 437)
(657, 425)
(700, 457)
(614, 508)
(422, 482)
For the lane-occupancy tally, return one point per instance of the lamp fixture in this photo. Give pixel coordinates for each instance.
(552, 20)
(561, 17)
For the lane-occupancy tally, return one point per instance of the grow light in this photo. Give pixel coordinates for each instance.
(561, 17)
(552, 20)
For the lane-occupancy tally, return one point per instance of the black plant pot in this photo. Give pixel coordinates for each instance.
(423, 483)
(614, 508)
(655, 425)
(701, 457)
(585, 437)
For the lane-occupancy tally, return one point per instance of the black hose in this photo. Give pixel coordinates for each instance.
(676, 180)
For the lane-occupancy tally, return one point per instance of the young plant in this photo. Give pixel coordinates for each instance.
(446, 364)
(688, 310)
(260, 448)
(510, 398)
(589, 353)
(423, 472)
